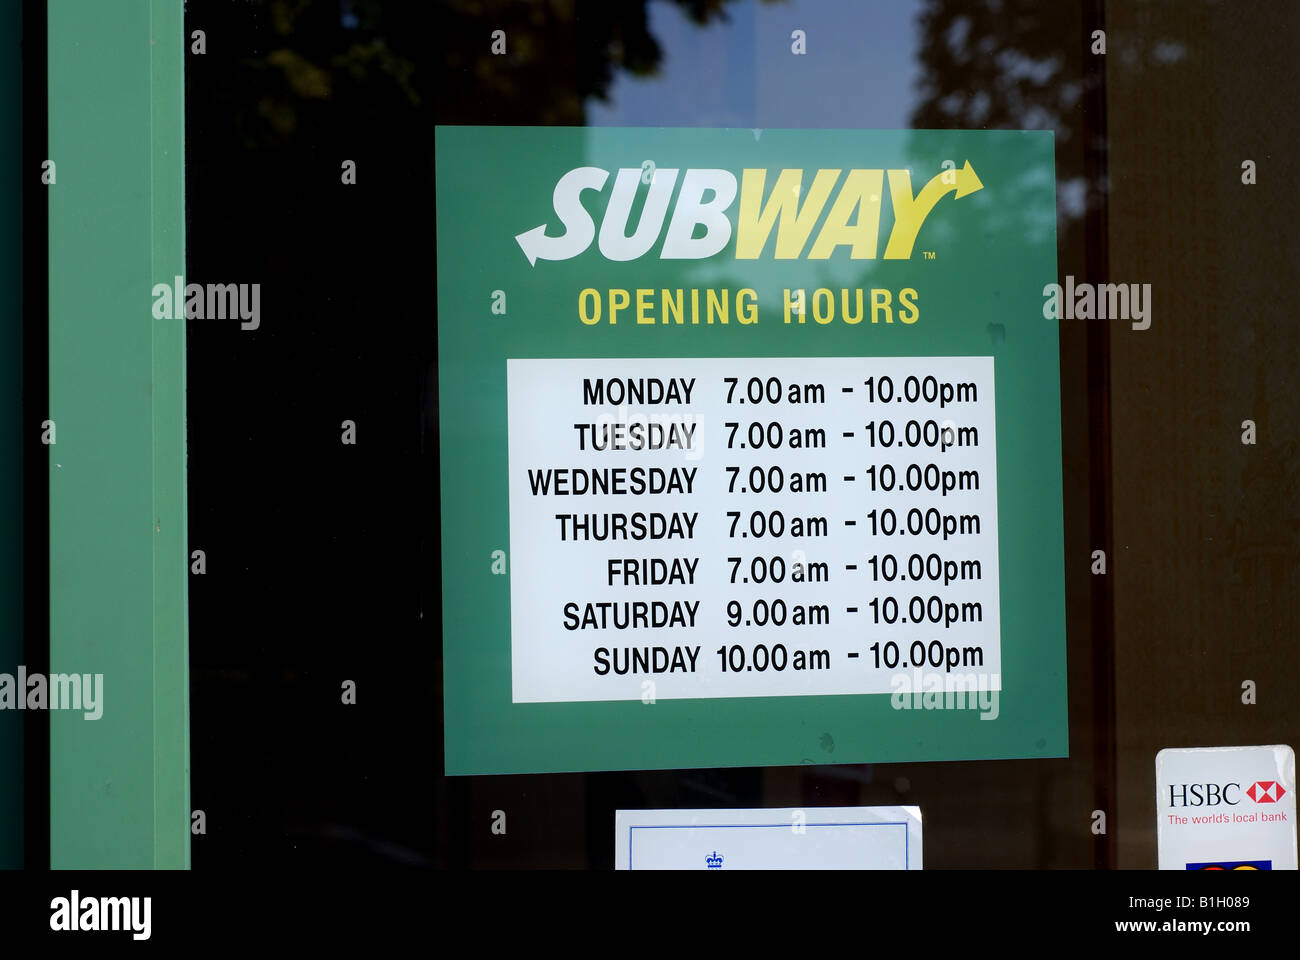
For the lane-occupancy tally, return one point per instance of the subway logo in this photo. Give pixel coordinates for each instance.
(792, 207)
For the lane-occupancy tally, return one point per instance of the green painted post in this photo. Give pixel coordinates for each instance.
(12, 416)
(119, 785)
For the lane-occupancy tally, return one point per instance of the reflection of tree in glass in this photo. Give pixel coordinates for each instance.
(1001, 65)
(557, 55)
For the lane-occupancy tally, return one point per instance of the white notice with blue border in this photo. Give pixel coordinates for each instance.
(783, 838)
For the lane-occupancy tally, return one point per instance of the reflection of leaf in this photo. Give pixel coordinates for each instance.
(278, 114)
(285, 14)
(361, 58)
(305, 78)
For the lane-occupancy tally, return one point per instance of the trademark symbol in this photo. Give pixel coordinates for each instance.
(928, 254)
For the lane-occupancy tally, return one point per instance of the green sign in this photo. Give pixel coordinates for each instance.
(750, 448)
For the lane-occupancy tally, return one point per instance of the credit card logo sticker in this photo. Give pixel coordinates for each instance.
(1233, 865)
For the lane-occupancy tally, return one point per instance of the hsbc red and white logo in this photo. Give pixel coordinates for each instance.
(1227, 794)
(1265, 791)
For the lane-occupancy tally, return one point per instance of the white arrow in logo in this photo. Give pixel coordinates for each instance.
(579, 230)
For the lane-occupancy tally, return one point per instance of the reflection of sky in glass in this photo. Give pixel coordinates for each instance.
(860, 70)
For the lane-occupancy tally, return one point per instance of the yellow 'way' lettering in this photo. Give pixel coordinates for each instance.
(795, 215)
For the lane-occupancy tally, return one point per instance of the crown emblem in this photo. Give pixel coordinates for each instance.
(714, 861)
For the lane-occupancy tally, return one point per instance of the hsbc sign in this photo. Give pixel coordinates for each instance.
(1227, 794)
(1221, 805)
